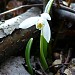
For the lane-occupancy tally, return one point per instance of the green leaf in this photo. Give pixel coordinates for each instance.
(50, 51)
(45, 44)
(42, 57)
(27, 55)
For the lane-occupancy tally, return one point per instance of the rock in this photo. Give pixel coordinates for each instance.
(67, 72)
(13, 66)
(57, 61)
(13, 39)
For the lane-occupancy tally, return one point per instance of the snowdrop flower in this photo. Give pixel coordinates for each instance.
(41, 24)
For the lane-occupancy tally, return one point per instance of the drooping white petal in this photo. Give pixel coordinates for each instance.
(46, 32)
(46, 16)
(28, 22)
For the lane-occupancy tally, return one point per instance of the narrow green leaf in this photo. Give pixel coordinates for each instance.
(42, 57)
(45, 44)
(27, 55)
(50, 51)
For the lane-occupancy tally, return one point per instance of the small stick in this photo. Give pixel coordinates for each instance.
(23, 6)
(44, 73)
(64, 8)
(69, 2)
(68, 56)
(38, 72)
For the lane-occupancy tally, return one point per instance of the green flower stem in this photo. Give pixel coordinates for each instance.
(27, 56)
(42, 57)
(48, 6)
(43, 42)
(47, 10)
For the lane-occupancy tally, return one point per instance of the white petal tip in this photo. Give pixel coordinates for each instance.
(20, 26)
(47, 41)
(31, 38)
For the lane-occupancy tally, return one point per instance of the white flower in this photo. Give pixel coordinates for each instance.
(41, 24)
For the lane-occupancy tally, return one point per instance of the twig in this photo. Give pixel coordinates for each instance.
(57, 65)
(44, 73)
(61, 56)
(69, 2)
(36, 71)
(23, 6)
(64, 8)
(68, 57)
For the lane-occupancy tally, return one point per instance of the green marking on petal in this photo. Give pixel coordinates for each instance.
(39, 26)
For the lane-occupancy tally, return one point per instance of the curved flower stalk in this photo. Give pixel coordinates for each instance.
(41, 23)
(48, 6)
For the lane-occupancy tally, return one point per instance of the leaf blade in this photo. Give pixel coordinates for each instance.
(27, 55)
(42, 57)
